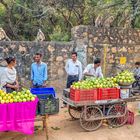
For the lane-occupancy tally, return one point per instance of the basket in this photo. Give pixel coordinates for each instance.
(130, 119)
(124, 93)
(43, 93)
(108, 93)
(83, 95)
(49, 106)
(125, 84)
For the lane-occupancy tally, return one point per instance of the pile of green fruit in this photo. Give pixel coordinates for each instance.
(14, 97)
(125, 77)
(95, 83)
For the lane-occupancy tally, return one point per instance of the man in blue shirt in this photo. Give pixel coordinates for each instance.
(38, 72)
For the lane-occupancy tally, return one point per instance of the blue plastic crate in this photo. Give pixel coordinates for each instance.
(44, 93)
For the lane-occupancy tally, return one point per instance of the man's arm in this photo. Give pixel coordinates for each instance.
(45, 75)
(100, 73)
(67, 66)
(86, 71)
(134, 72)
(32, 75)
(88, 74)
(139, 72)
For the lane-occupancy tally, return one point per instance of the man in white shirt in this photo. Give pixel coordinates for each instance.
(94, 69)
(73, 69)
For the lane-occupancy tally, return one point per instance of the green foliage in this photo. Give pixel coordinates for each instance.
(2, 10)
(137, 22)
(59, 36)
(22, 18)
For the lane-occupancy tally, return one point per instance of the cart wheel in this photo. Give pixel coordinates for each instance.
(117, 110)
(91, 113)
(75, 112)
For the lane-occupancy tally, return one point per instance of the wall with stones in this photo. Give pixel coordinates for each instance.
(109, 44)
(54, 54)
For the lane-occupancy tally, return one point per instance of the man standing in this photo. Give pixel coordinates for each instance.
(74, 70)
(94, 69)
(136, 71)
(38, 72)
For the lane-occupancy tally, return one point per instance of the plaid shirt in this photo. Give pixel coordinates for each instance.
(136, 72)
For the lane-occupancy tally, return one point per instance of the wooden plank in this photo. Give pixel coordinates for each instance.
(44, 120)
(12, 136)
(99, 102)
(47, 133)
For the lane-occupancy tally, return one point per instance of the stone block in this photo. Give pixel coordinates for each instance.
(95, 50)
(59, 58)
(85, 34)
(90, 50)
(5, 50)
(64, 50)
(124, 49)
(12, 46)
(111, 61)
(90, 36)
(51, 48)
(130, 51)
(60, 72)
(22, 49)
(114, 50)
(95, 39)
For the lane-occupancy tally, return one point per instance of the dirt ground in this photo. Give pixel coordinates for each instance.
(62, 127)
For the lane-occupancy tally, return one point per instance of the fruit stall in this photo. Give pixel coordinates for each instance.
(20, 110)
(97, 99)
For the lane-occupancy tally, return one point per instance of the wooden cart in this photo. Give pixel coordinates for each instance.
(92, 113)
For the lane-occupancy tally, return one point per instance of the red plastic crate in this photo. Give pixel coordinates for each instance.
(83, 95)
(108, 93)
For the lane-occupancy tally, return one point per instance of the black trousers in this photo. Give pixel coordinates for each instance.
(37, 86)
(71, 79)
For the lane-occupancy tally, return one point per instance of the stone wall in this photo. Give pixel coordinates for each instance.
(109, 44)
(54, 54)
